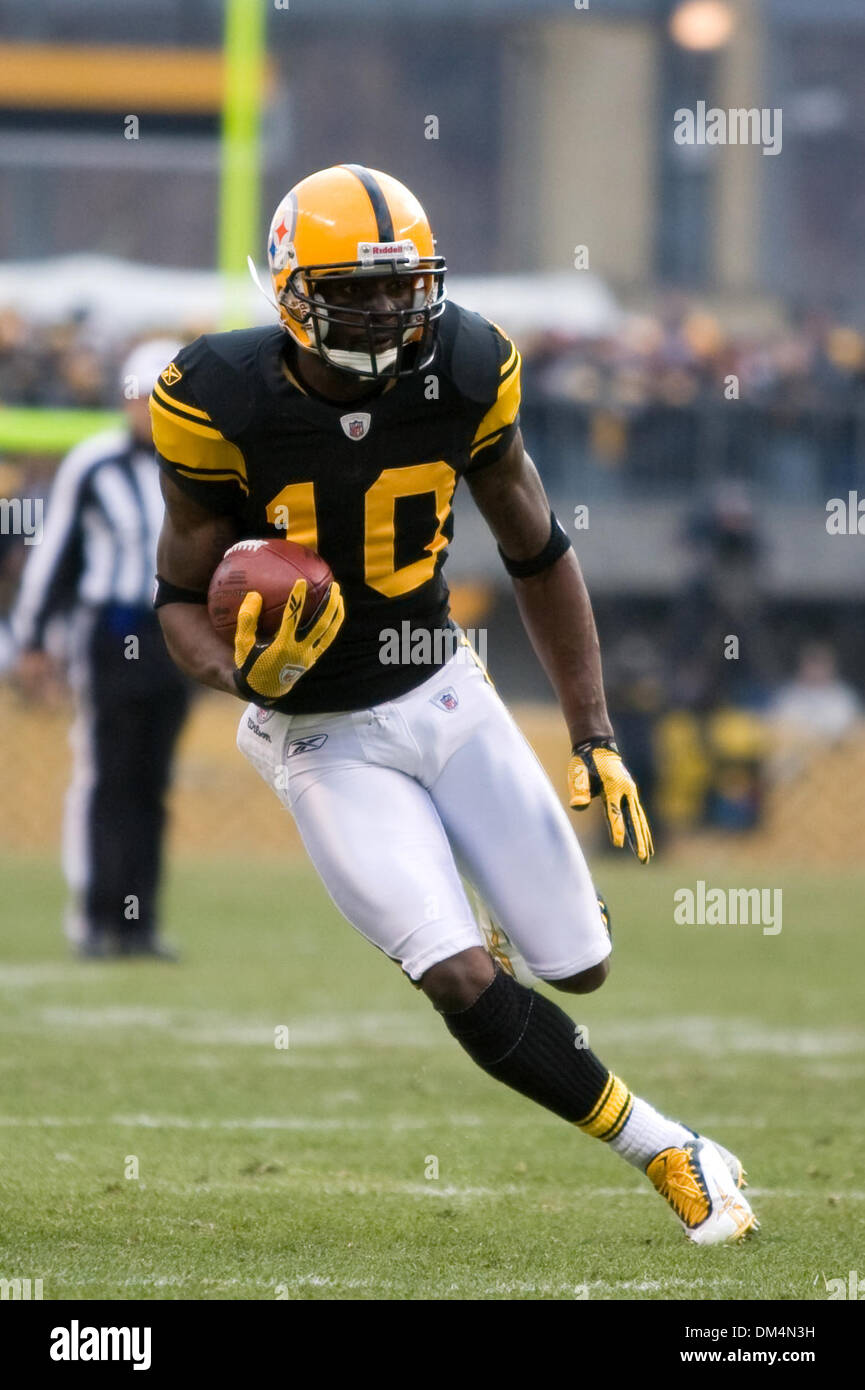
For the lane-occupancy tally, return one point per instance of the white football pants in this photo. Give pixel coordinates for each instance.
(395, 802)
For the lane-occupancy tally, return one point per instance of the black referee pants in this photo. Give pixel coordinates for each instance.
(133, 708)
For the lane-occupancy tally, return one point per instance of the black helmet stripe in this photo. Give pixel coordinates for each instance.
(383, 219)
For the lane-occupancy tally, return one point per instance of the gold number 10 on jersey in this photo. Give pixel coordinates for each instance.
(293, 511)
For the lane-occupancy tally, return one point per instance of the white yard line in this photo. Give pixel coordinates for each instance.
(570, 1289)
(32, 975)
(712, 1035)
(261, 1122)
(703, 1035)
(214, 1027)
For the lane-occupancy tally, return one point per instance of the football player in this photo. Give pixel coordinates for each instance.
(346, 427)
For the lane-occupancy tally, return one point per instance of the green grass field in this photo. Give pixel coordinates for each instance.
(302, 1172)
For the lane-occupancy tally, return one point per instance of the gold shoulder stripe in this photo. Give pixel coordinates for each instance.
(509, 361)
(200, 449)
(515, 363)
(503, 412)
(487, 440)
(172, 404)
(182, 421)
(210, 475)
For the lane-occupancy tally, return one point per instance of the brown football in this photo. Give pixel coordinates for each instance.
(271, 567)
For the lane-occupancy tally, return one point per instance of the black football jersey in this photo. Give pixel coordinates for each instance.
(366, 484)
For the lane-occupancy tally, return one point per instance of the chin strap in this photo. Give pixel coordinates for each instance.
(341, 357)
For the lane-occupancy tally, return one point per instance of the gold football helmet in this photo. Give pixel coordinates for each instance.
(330, 233)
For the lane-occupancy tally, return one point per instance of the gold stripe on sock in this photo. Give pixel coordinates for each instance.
(619, 1124)
(599, 1105)
(610, 1112)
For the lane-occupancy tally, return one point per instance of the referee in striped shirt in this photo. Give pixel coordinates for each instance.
(95, 566)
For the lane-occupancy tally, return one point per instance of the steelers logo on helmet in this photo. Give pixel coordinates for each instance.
(280, 250)
(355, 274)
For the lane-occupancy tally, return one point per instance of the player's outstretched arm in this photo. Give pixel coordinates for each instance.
(557, 614)
(191, 544)
(554, 603)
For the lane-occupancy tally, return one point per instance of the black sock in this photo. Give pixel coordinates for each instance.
(528, 1042)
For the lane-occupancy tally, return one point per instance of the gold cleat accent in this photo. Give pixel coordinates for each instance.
(677, 1177)
(703, 1185)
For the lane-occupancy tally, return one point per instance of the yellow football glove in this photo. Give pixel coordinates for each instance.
(266, 670)
(596, 769)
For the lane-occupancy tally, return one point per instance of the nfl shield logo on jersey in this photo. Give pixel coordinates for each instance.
(356, 426)
(446, 699)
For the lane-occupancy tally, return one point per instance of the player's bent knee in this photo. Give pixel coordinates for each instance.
(455, 983)
(586, 981)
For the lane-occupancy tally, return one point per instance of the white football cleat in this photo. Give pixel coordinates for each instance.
(702, 1183)
(734, 1164)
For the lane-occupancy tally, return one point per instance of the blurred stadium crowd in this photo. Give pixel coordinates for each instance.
(57, 364)
(670, 405)
(649, 407)
(645, 408)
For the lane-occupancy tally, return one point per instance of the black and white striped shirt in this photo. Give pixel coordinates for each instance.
(98, 545)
